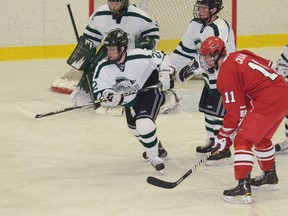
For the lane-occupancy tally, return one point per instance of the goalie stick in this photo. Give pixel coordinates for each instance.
(169, 185)
(96, 102)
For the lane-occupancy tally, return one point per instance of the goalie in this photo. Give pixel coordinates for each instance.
(143, 32)
(129, 70)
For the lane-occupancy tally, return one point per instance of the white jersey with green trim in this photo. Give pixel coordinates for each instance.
(192, 39)
(135, 22)
(140, 69)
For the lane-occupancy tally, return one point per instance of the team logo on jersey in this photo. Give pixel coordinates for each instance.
(121, 67)
(125, 85)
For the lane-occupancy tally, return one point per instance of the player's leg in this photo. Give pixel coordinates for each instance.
(211, 104)
(265, 154)
(264, 149)
(141, 122)
(243, 164)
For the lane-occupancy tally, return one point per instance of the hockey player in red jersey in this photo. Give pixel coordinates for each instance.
(255, 98)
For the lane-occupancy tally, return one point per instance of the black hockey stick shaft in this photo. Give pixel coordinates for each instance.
(170, 185)
(97, 103)
(63, 110)
(73, 22)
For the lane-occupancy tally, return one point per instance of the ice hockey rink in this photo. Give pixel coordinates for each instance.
(80, 163)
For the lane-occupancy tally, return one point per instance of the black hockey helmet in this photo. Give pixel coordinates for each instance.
(117, 14)
(218, 4)
(117, 37)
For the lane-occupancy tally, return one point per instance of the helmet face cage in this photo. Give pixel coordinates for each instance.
(211, 4)
(118, 38)
(212, 46)
(116, 14)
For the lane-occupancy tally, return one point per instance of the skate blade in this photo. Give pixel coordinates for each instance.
(163, 158)
(221, 162)
(266, 187)
(238, 199)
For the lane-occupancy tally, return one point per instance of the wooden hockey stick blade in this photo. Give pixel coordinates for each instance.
(169, 185)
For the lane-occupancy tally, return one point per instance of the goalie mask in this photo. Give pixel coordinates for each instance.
(119, 8)
(211, 50)
(202, 5)
(116, 39)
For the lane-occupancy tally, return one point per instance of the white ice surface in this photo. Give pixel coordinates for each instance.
(83, 164)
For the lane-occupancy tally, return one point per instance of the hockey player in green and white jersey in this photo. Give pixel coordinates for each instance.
(143, 32)
(185, 59)
(125, 71)
(282, 68)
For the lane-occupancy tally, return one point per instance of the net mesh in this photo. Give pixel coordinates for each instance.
(173, 16)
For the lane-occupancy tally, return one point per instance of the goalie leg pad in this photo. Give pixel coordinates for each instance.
(79, 97)
(171, 102)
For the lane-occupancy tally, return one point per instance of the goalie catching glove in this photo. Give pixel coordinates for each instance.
(224, 139)
(144, 43)
(111, 98)
(187, 72)
(166, 78)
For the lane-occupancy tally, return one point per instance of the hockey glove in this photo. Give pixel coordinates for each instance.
(111, 98)
(166, 78)
(224, 139)
(144, 43)
(187, 72)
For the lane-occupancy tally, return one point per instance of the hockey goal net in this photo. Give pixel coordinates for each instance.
(173, 17)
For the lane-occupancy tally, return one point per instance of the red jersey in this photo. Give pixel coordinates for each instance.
(247, 82)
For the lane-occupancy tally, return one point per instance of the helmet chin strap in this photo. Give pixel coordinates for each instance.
(211, 70)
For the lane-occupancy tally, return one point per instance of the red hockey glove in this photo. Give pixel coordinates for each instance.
(224, 138)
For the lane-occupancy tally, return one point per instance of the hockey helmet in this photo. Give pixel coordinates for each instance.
(117, 14)
(212, 47)
(119, 38)
(211, 4)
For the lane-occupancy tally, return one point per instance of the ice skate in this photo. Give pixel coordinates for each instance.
(162, 153)
(220, 158)
(202, 150)
(240, 194)
(281, 147)
(268, 180)
(158, 164)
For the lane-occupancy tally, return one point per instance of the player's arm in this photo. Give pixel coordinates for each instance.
(149, 37)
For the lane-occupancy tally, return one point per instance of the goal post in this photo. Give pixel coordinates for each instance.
(174, 16)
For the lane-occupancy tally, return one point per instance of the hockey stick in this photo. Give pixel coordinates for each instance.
(96, 102)
(169, 185)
